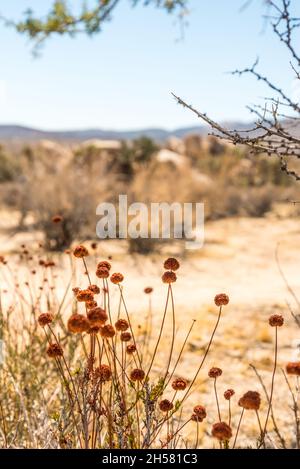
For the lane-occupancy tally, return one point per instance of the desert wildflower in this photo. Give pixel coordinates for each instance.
(179, 384)
(137, 375)
(165, 405)
(130, 349)
(97, 316)
(102, 272)
(215, 372)
(125, 336)
(171, 264)
(78, 323)
(44, 319)
(221, 431)
(107, 331)
(121, 325)
(148, 290)
(228, 394)
(221, 299)
(276, 320)
(169, 277)
(293, 368)
(117, 278)
(250, 400)
(80, 251)
(103, 373)
(91, 304)
(54, 351)
(104, 264)
(200, 412)
(84, 295)
(94, 289)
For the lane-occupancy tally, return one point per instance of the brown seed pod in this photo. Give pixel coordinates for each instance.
(165, 405)
(221, 431)
(276, 320)
(94, 289)
(93, 330)
(44, 319)
(117, 278)
(104, 264)
(107, 331)
(250, 400)
(77, 324)
(121, 325)
(103, 373)
(171, 264)
(179, 384)
(125, 336)
(130, 349)
(196, 418)
(221, 299)
(97, 316)
(80, 251)
(137, 375)
(215, 372)
(102, 272)
(169, 277)
(293, 368)
(84, 295)
(200, 411)
(148, 290)
(228, 394)
(54, 351)
(91, 304)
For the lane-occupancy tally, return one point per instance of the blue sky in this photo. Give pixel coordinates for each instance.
(122, 78)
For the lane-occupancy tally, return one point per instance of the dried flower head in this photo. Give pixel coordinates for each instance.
(221, 299)
(91, 304)
(250, 400)
(75, 290)
(80, 251)
(93, 330)
(293, 368)
(169, 277)
(125, 336)
(121, 325)
(221, 431)
(215, 372)
(54, 351)
(57, 219)
(103, 373)
(117, 278)
(148, 290)
(179, 384)
(102, 272)
(44, 319)
(97, 316)
(84, 295)
(104, 264)
(77, 323)
(200, 411)
(165, 405)
(130, 349)
(276, 320)
(94, 289)
(107, 331)
(171, 264)
(228, 394)
(137, 375)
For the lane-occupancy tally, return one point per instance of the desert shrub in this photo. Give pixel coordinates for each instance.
(9, 167)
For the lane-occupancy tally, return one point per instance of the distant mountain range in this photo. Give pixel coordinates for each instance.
(19, 133)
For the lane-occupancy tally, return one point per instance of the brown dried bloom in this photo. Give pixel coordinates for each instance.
(125, 336)
(215, 372)
(137, 375)
(80, 251)
(276, 320)
(117, 278)
(84, 295)
(102, 272)
(57, 219)
(200, 411)
(228, 394)
(169, 277)
(130, 349)
(179, 384)
(93, 330)
(171, 264)
(97, 316)
(221, 431)
(44, 319)
(148, 290)
(196, 418)
(54, 350)
(91, 304)
(107, 331)
(250, 400)
(165, 405)
(221, 299)
(104, 264)
(75, 290)
(94, 289)
(77, 323)
(293, 368)
(122, 325)
(103, 373)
